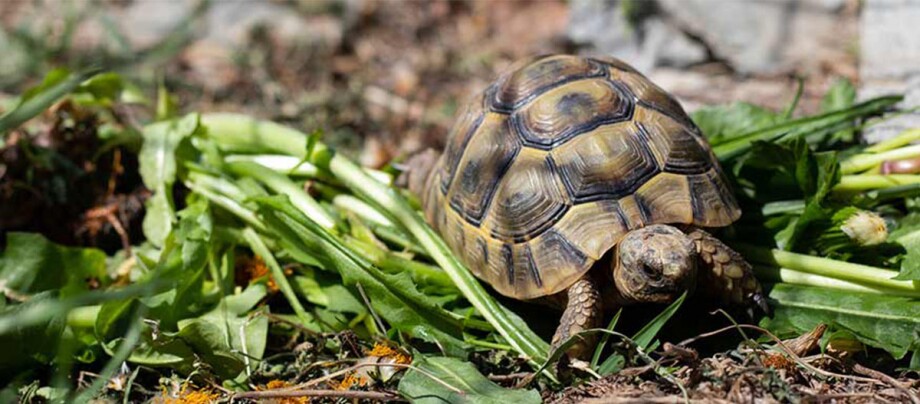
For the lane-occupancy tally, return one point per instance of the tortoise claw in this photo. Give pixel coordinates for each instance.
(761, 301)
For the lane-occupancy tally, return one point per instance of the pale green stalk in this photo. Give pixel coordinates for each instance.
(362, 209)
(260, 249)
(83, 317)
(857, 273)
(242, 133)
(289, 165)
(227, 203)
(902, 139)
(293, 166)
(865, 161)
(864, 182)
(808, 279)
(283, 185)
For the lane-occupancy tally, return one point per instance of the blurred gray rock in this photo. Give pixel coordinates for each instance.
(757, 36)
(602, 27)
(890, 60)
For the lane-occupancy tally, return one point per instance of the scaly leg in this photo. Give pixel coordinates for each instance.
(724, 274)
(582, 312)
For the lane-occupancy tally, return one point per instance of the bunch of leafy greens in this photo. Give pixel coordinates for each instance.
(331, 247)
(321, 242)
(356, 258)
(822, 220)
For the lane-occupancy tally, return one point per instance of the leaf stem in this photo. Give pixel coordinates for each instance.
(259, 247)
(283, 185)
(857, 273)
(867, 160)
(523, 340)
(809, 279)
(863, 182)
(238, 132)
(902, 139)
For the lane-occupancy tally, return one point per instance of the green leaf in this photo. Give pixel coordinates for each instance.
(646, 335)
(231, 332)
(104, 88)
(393, 296)
(606, 337)
(644, 338)
(614, 363)
(467, 385)
(841, 95)
(887, 322)
(32, 264)
(158, 169)
(29, 345)
(724, 122)
(325, 289)
(814, 128)
(907, 234)
(159, 216)
(57, 84)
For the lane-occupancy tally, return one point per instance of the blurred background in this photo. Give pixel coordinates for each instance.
(384, 77)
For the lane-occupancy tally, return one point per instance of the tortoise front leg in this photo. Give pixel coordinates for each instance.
(723, 272)
(582, 312)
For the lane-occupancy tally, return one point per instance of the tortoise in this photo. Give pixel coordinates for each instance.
(563, 158)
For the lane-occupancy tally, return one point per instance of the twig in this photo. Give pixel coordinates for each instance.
(352, 394)
(785, 349)
(509, 377)
(296, 325)
(333, 375)
(887, 379)
(653, 400)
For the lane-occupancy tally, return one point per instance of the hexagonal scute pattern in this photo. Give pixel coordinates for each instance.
(529, 200)
(531, 78)
(649, 94)
(556, 161)
(486, 159)
(714, 204)
(677, 148)
(571, 109)
(606, 163)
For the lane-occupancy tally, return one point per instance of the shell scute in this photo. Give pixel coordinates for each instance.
(607, 163)
(529, 200)
(486, 158)
(533, 77)
(570, 110)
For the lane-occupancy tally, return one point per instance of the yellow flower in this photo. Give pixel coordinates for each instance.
(385, 351)
(187, 396)
(352, 380)
(280, 384)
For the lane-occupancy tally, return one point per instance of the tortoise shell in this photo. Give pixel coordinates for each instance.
(556, 161)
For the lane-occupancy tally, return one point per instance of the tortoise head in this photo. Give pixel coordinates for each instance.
(654, 264)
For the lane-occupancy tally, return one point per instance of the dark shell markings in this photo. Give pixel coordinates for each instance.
(558, 159)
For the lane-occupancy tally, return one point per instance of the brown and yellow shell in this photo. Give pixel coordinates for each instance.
(549, 167)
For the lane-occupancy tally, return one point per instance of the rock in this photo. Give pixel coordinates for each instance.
(890, 60)
(890, 46)
(145, 23)
(766, 37)
(602, 27)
